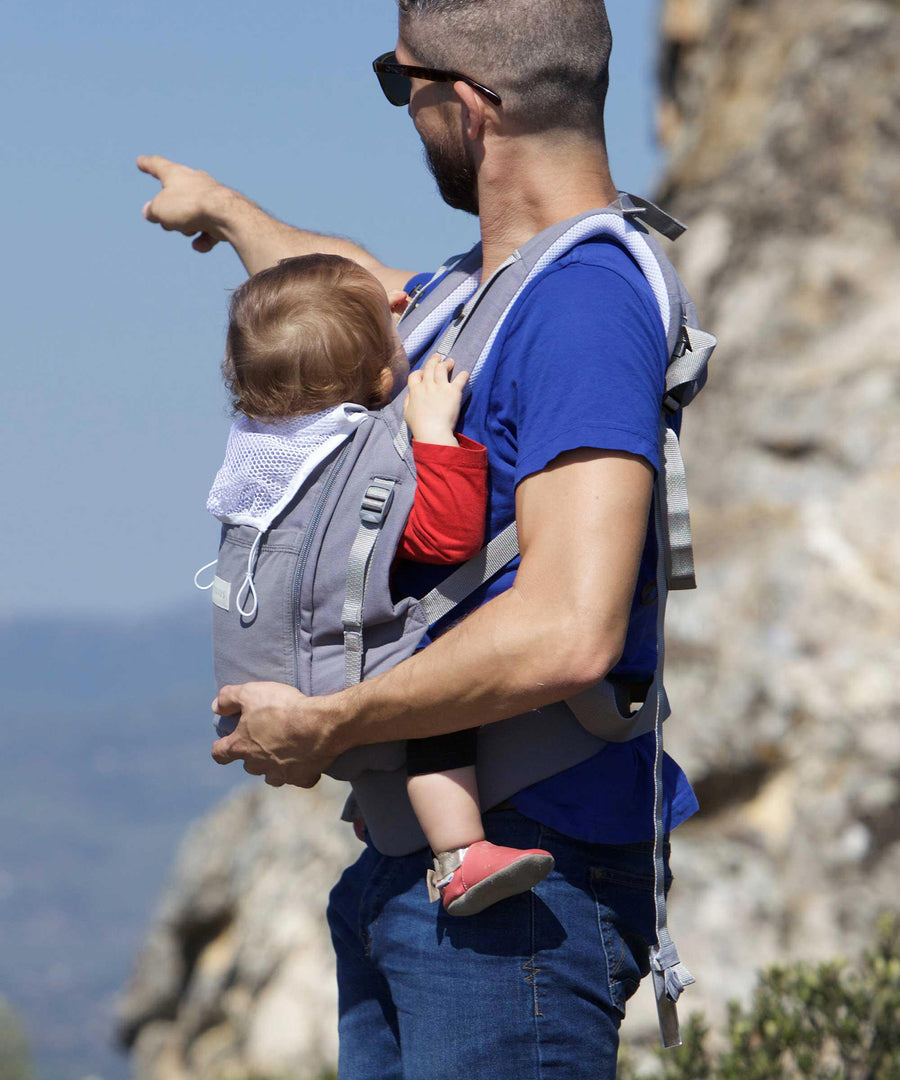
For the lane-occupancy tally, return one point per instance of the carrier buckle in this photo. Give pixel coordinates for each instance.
(376, 502)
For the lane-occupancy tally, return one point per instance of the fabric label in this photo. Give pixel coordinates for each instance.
(221, 593)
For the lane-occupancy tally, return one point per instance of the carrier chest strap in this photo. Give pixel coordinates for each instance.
(372, 513)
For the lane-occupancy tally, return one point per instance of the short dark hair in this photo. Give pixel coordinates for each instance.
(547, 59)
(305, 335)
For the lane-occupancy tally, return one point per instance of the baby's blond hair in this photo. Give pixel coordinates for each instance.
(307, 334)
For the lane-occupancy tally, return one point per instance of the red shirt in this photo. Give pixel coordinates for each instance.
(446, 523)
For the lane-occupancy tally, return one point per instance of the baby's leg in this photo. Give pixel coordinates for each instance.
(469, 873)
(446, 804)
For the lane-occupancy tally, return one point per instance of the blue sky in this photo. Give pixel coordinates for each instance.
(113, 417)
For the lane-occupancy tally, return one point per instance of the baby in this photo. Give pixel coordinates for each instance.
(305, 338)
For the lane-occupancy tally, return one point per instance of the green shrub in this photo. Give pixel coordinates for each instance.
(15, 1060)
(824, 1022)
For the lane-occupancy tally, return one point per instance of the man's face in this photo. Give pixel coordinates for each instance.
(434, 110)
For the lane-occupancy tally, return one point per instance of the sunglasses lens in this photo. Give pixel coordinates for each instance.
(397, 88)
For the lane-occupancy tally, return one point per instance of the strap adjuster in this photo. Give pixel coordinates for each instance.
(376, 502)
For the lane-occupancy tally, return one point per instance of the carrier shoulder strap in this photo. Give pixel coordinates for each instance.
(690, 349)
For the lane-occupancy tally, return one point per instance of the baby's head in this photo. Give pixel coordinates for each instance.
(307, 334)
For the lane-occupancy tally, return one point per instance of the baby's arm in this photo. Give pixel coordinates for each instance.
(446, 524)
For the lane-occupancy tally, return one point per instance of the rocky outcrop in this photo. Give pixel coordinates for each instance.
(236, 977)
(782, 121)
(783, 125)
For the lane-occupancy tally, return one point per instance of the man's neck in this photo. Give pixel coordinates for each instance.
(526, 185)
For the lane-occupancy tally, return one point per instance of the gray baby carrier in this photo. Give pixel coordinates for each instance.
(325, 617)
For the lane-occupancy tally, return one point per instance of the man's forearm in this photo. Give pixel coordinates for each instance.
(261, 240)
(508, 657)
(194, 203)
(559, 629)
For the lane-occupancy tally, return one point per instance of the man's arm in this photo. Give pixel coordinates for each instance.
(558, 630)
(193, 203)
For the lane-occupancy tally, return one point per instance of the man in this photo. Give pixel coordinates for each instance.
(509, 107)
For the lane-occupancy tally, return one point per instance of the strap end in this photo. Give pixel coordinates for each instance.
(667, 1011)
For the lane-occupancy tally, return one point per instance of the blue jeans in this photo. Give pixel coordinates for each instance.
(533, 988)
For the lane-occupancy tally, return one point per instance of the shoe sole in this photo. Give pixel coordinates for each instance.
(518, 877)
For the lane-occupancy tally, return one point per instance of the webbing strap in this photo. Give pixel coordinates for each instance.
(375, 505)
(688, 366)
(457, 325)
(670, 976)
(684, 376)
(449, 265)
(401, 440)
(467, 578)
(676, 543)
(654, 216)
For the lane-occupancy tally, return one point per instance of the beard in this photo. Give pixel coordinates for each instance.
(452, 166)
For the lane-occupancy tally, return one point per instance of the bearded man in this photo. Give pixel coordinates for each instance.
(508, 98)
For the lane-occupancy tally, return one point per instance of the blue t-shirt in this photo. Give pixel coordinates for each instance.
(579, 362)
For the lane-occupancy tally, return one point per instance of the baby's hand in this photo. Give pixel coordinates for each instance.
(433, 401)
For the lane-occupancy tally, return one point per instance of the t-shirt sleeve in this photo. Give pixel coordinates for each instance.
(446, 523)
(583, 365)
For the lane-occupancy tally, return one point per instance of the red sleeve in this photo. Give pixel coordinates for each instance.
(446, 523)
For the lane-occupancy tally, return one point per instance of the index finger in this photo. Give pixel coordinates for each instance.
(154, 165)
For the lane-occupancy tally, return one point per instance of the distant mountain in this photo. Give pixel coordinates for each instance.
(106, 740)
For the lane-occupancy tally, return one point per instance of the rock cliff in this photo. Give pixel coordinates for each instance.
(782, 123)
(783, 130)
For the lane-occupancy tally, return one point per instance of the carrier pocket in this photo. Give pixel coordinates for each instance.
(257, 648)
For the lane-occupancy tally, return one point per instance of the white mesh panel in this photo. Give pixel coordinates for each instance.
(265, 464)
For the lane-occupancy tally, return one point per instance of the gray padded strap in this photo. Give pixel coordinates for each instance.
(467, 310)
(468, 577)
(451, 334)
(375, 506)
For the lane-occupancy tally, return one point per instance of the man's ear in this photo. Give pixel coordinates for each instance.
(474, 110)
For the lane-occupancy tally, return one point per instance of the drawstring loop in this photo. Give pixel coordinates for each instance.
(248, 589)
(203, 569)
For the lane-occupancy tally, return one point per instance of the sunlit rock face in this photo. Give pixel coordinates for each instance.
(236, 977)
(782, 122)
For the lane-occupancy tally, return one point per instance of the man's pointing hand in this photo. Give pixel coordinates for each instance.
(187, 203)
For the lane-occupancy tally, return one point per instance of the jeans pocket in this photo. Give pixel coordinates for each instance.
(626, 916)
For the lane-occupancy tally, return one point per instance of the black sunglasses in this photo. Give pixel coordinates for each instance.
(395, 79)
